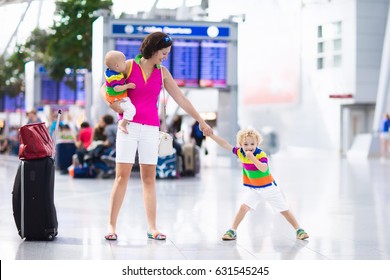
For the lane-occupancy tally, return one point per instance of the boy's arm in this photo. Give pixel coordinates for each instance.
(260, 165)
(222, 142)
(119, 88)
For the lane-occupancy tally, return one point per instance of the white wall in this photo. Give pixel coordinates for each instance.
(371, 16)
(272, 32)
(270, 36)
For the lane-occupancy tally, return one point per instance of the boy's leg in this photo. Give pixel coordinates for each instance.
(231, 234)
(301, 234)
(128, 113)
(240, 215)
(123, 126)
(290, 218)
(128, 109)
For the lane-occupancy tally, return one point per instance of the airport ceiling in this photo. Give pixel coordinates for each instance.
(5, 2)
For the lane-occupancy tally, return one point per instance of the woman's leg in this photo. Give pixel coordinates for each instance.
(123, 171)
(387, 146)
(148, 177)
(383, 146)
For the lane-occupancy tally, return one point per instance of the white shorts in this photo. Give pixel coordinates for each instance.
(271, 194)
(385, 135)
(143, 137)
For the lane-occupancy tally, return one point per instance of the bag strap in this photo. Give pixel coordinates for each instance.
(164, 105)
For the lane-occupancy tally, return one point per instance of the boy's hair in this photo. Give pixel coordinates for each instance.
(112, 58)
(108, 119)
(84, 124)
(249, 132)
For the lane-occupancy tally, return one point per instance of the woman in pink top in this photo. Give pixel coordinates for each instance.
(146, 72)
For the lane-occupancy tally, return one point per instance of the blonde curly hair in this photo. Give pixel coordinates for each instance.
(248, 132)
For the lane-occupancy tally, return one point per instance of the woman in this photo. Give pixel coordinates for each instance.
(385, 136)
(146, 72)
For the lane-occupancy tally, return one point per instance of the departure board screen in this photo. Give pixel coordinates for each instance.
(80, 94)
(130, 47)
(213, 59)
(10, 103)
(67, 94)
(193, 63)
(185, 60)
(49, 90)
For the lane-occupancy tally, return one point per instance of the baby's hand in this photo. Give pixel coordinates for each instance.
(131, 85)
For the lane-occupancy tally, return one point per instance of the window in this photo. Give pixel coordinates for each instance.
(329, 45)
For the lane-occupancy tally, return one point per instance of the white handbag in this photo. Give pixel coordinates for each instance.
(165, 146)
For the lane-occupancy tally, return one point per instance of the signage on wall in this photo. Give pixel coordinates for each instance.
(211, 31)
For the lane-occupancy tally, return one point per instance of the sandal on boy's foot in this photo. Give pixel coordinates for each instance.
(230, 235)
(301, 234)
(111, 236)
(157, 236)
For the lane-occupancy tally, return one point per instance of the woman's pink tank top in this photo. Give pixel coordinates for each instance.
(145, 95)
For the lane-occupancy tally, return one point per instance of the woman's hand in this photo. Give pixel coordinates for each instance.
(205, 128)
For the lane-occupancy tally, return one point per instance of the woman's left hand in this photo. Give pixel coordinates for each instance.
(205, 128)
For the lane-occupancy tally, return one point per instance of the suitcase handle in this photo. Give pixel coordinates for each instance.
(55, 133)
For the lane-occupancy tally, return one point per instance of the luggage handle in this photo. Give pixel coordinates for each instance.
(22, 199)
(55, 133)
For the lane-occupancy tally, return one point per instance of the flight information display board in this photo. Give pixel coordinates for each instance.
(62, 92)
(130, 47)
(67, 94)
(213, 57)
(193, 63)
(10, 104)
(185, 61)
(80, 94)
(49, 90)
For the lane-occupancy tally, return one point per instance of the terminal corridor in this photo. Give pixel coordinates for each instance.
(343, 204)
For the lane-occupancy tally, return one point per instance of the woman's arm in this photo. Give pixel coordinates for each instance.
(183, 102)
(115, 105)
(222, 142)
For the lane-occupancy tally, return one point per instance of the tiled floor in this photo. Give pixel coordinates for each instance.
(343, 204)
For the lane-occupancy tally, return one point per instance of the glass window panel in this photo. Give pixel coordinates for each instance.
(337, 44)
(319, 31)
(320, 63)
(337, 61)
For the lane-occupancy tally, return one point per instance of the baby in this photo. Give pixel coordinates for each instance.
(117, 68)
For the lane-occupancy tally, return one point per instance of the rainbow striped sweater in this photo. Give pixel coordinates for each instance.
(113, 79)
(252, 177)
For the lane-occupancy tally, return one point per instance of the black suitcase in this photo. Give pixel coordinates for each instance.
(33, 200)
(64, 155)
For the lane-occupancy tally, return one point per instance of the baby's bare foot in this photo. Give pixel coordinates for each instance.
(123, 128)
